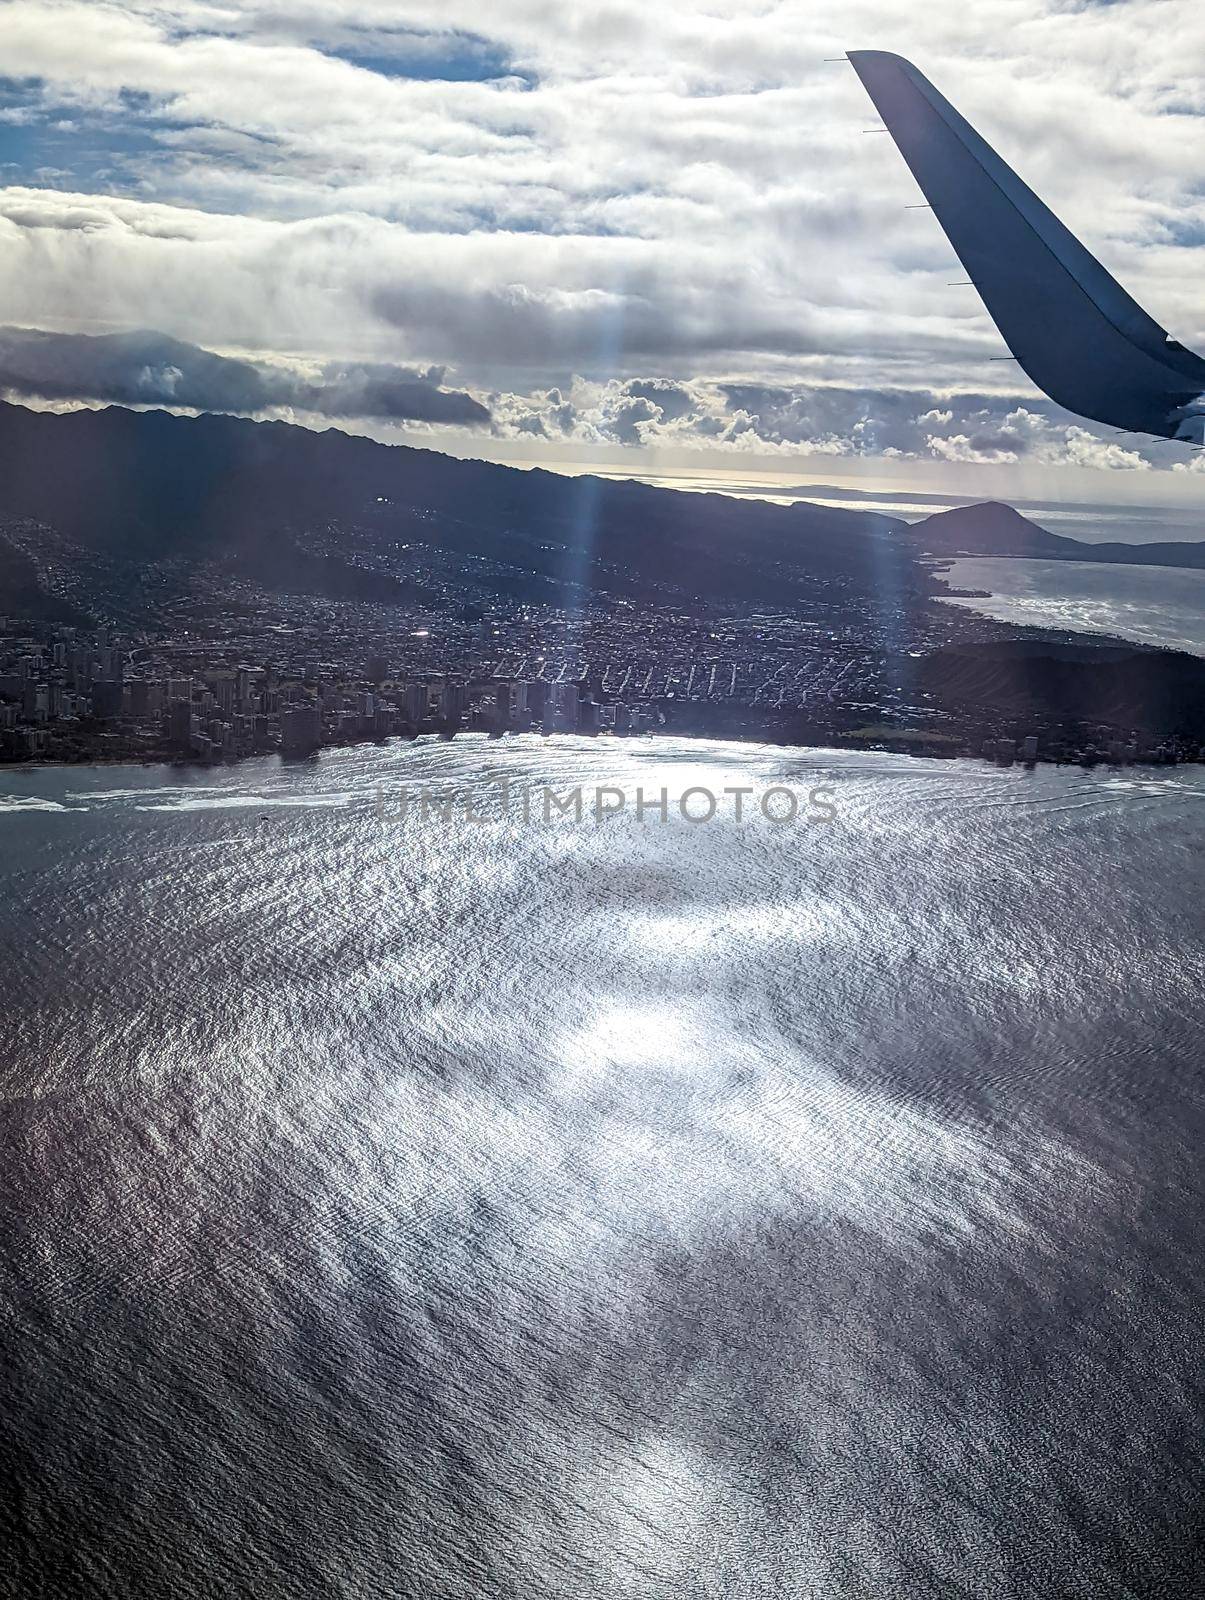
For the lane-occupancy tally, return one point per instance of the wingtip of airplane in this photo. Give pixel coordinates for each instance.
(883, 70)
(877, 57)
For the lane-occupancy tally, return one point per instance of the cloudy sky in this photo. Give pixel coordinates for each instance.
(651, 237)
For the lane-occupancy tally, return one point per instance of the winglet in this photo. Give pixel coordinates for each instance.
(1072, 327)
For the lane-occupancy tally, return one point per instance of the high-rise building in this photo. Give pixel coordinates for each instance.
(36, 701)
(453, 699)
(181, 726)
(224, 690)
(301, 728)
(110, 663)
(562, 707)
(415, 703)
(537, 699)
(500, 713)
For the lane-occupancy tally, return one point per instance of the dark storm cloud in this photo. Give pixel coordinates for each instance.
(369, 389)
(127, 368)
(148, 368)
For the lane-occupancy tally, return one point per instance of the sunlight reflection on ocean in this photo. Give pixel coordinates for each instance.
(402, 1205)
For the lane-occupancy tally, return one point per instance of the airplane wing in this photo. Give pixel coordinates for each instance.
(1072, 327)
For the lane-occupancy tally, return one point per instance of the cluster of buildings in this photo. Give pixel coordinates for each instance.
(1100, 747)
(296, 682)
(101, 696)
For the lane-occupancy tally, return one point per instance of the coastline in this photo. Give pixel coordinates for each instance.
(920, 746)
(1113, 604)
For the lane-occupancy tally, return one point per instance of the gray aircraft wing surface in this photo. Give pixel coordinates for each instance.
(1072, 327)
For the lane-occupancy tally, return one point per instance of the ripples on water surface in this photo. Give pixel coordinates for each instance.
(614, 1210)
(1151, 605)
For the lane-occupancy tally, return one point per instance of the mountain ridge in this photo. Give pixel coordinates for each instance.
(325, 513)
(151, 484)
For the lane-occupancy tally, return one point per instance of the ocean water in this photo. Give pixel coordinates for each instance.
(410, 1205)
(1152, 605)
